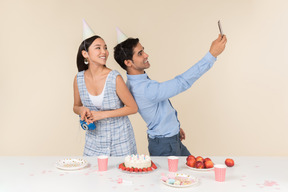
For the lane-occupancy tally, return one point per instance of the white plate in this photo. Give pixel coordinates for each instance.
(71, 164)
(200, 170)
(153, 170)
(182, 186)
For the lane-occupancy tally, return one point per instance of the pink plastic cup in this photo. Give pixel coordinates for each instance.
(220, 172)
(173, 163)
(102, 163)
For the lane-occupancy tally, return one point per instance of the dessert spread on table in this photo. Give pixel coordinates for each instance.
(178, 180)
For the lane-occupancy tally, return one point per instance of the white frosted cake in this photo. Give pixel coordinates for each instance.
(138, 161)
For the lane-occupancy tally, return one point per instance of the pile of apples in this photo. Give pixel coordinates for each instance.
(199, 162)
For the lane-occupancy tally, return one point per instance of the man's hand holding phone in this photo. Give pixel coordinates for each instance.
(218, 45)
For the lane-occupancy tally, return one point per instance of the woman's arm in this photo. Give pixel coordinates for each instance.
(130, 106)
(78, 107)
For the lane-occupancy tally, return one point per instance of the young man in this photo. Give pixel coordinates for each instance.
(152, 97)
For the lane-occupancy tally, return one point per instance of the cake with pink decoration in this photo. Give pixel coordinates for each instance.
(138, 161)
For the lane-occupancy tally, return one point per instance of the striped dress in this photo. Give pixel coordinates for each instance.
(112, 136)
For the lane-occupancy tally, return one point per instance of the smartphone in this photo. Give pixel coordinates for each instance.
(220, 28)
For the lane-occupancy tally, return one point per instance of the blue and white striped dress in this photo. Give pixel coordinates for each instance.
(112, 136)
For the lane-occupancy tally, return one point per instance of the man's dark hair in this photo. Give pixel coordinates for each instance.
(124, 51)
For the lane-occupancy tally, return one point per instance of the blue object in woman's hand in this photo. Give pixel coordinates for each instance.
(86, 126)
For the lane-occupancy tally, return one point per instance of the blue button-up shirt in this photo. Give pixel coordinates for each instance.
(152, 97)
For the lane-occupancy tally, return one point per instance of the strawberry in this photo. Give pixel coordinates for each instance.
(144, 170)
(149, 169)
(123, 168)
(154, 166)
(140, 170)
(127, 168)
(131, 169)
(136, 170)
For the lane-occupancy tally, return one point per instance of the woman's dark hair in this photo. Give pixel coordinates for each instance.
(124, 51)
(84, 46)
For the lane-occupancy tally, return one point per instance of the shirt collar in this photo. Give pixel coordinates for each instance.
(137, 77)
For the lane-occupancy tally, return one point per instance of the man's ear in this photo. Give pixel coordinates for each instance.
(128, 63)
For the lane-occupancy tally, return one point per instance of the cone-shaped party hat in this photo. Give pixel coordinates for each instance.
(87, 31)
(120, 36)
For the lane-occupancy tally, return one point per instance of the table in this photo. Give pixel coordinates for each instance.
(39, 174)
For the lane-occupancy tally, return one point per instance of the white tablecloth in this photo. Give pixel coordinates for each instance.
(39, 174)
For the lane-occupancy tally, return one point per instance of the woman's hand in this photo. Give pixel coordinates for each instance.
(97, 115)
(86, 114)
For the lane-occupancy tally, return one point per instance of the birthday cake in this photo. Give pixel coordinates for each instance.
(138, 161)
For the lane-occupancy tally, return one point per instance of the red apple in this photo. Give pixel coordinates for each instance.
(199, 158)
(191, 162)
(229, 162)
(207, 159)
(208, 164)
(190, 157)
(199, 165)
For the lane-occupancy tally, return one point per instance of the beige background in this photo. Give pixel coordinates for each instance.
(239, 107)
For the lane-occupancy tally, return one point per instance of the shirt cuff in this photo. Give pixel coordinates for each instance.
(210, 57)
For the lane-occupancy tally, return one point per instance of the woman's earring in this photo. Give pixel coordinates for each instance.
(86, 61)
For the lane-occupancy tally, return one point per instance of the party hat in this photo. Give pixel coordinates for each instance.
(120, 36)
(87, 31)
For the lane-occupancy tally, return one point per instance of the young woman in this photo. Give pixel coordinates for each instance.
(101, 97)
